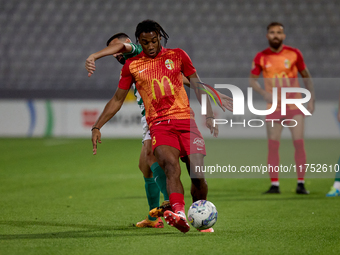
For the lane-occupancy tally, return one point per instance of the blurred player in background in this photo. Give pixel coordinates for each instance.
(335, 189)
(280, 65)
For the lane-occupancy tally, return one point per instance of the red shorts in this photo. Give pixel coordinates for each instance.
(180, 134)
(277, 117)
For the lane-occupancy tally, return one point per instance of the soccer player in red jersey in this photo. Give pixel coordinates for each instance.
(157, 73)
(122, 48)
(280, 65)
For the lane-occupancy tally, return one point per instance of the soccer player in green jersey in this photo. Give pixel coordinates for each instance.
(335, 189)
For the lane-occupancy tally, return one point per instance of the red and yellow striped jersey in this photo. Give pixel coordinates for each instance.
(280, 69)
(159, 82)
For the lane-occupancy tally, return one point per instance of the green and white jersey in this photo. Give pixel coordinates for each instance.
(139, 100)
(136, 49)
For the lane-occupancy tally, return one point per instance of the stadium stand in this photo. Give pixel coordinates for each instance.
(43, 44)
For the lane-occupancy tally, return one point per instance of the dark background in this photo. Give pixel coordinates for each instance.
(44, 44)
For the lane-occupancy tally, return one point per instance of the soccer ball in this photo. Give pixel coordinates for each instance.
(202, 214)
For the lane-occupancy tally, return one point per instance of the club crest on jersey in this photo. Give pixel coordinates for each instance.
(287, 63)
(169, 64)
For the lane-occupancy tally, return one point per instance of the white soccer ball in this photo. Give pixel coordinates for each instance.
(202, 214)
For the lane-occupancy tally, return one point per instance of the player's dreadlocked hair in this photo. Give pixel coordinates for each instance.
(148, 26)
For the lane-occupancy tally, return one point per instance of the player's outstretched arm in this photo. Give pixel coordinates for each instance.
(307, 80)
(111, 108)
(109, 50)
(196, 84)
(257, 87)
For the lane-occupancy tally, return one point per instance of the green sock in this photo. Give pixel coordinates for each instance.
(160, 179)
(152, 194)
(337, 175)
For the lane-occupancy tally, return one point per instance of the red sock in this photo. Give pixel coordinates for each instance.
(273, 159)
(300, 158)
(177, 202)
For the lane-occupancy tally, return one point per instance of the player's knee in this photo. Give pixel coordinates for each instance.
(171, 168)
(140, 164)
(274, 137)
(150, 158)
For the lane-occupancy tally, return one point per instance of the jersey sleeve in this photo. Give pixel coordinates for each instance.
(187, 67)
(135, 50)
(126, 78)
(256, 68)
(300, 63)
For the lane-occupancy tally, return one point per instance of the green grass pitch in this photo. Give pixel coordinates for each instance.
(57, 198)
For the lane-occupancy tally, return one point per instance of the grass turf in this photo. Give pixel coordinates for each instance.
(56, 198)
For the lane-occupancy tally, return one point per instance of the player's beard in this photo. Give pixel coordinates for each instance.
(275, 44)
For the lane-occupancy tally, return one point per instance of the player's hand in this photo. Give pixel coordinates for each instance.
(90, 65)
(210, 125)
(268, 97)
(96, 137)
(311, 106)
(227, 102)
